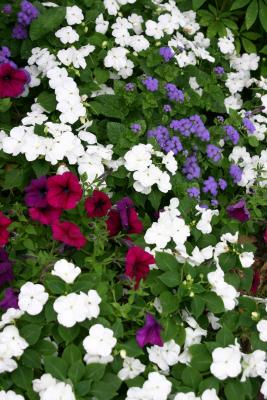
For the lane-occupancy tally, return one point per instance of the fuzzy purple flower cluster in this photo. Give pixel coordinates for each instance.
(173, 93)
(166, 142)
(191, 126)
(24, 18)
(232, 133)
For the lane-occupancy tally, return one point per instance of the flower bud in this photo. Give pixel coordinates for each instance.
(123, 353)
(255, 316)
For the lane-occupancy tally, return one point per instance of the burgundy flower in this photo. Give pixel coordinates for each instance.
(239, 211)
(4, 234)
(265, 235)
(113, 222)
(46, 216)
(6, 274)
(68, 233)
(10, 299)
(125, 218)
(64, 191)
(98, 204)
(137, 264)
(256, 282)
(36, 193)
(150, 333)
(12, 80)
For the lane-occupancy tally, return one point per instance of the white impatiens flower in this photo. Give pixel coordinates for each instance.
(32, 298)
(67, 35)
(209, 394)
(226, 362)
(74, 15)
(157, 386)
(10, 316)
(246, 259)
(164, 356)
(101, 24)
(132, 367)
(100, 341)
(66, 271)
(46, 380)
(262, 329)
(50, 388)
(186, 396)
(116, 58)
(10, 395)
(254, 365)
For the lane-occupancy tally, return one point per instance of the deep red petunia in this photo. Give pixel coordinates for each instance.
(114, 223)
(68, 233)
(46, 216)
(98, 204)
(12, 80)
(4, 234)
(137, 264)
(256, 282)
(64, 191)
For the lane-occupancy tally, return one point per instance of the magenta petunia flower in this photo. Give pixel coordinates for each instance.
(46, 216)
(137, 264)
(4, 234)
(12, 80)
(150, 333)
(36, 193)
(64, 191)
(98, 204)
(239, 211)
(10, 299)
(68, 233)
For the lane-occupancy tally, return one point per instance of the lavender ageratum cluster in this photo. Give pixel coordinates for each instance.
(232, 133)
(191, 126)
(213, 152)
(193, 192)
(166, 142)
(173, 93)
(25, 17)
(151, 84)
(167, 108)
(5, 55)
(7, 9)
(191, 168)
(219, 70)
(210, 186)
(129, 87)
(166, 53)
(222, 184)
(136, 128)
(250, 127)
(236, 173)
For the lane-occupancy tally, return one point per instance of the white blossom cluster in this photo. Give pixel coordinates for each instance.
(131, 368)
(208, 394)
(10, 395)
(12, 345)
(156, 387)
(99, 345)
(50, 388)
(66, 271)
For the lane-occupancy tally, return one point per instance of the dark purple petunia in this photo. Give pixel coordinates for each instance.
(239, 211)
(123, 206)
(10, 299)
(150, 333)
(36, 193)
(6, 273)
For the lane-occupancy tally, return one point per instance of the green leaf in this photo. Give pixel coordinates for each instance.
(115, 131)
(45, 347)
(197, 4)
(167, 262)
(55, 366)
(248, 45)
(22, 377)
(101, 75)
(47, 21)
(234, 390)
(251, 14)
(225, 337)
(239, 4)
(209, 383)
(83, 388)
(69, 334)
(264, 49)
(55, 284)
(155, 198)
(201, 358)
(47, 101)
(40, 167)
(228, 261)
(5, 105)
(31, 333)
(170, 278)
(16, 178)
(169, 302)
(197, 305)
(31, 358)
(109, 106)
(107, 388)
(71, 354)
(95, 372)
(191, 377)
(213, 302)
(263, 14)
(76, 371)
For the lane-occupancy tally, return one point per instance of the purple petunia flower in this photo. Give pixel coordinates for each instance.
(36, 193)
(10, 299)
(150, 333)
(239, 211)
(6, 273)
(122, 206)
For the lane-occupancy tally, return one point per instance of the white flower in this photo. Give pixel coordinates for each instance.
(165, 356)
(139, 43)
(116, 58)
(214, 321)
(94, 359)
(136, 393)
(153, 29)
(10, 395)
(59, 391)
(132, 367)
(226, 362)
(67, 35)
(66, 271)
(92, 301)
(138, 158)
(10, 316)
(100, 341)
(186, 396)
(209, 394)
(70, 309)
(254, 365)
(101, 24)
(32, 298)
(46, 380)
(74, 15)
(14, 343)
(262, 329)
(246, 259)
(157, 386)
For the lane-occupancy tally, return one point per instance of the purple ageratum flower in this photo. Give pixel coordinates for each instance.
(232, 133)
(236, 173)
(220, 118)
(213, 152)
(192, 125)
(7, 9)
(19, 32)
(219, 70)
(136, 128)
(129, 87)
(239, 211)
(193, 192)
(173, 93)
(10, 299)
(122, 206)
(151, 84)
(27, 14)
(166, 53)
(167, 108)
(36, 193)
(6, 273)
(250, 127)
(214, 202)
(150, 333)
(222, 184)
(4, 55)
(191, 168)
(210, 186)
